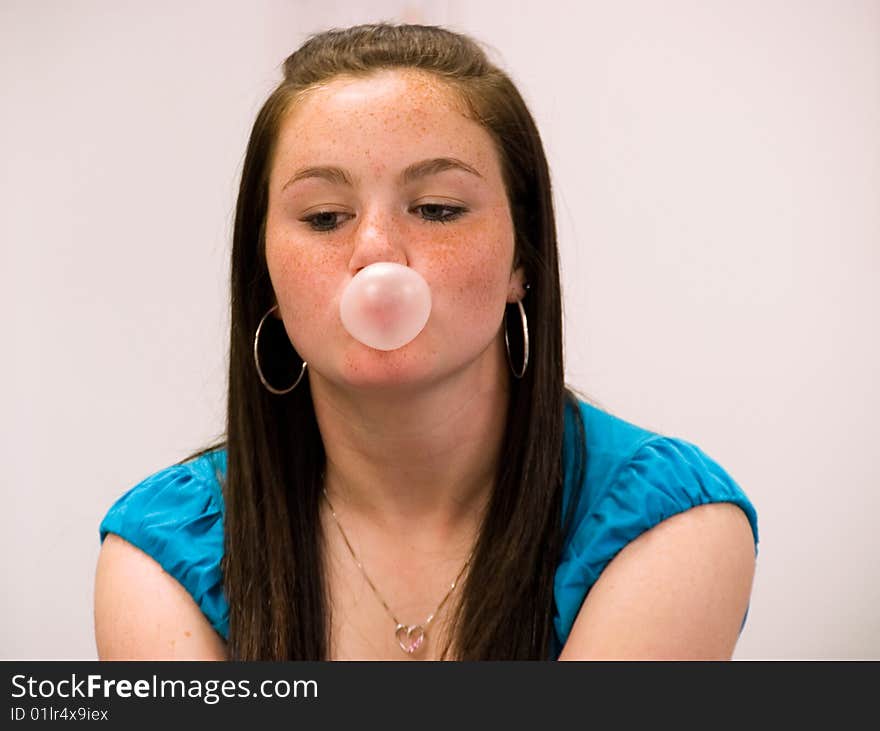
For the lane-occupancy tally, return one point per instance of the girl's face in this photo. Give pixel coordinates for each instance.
(388, 168)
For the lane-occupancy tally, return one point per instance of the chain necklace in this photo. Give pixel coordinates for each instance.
(410, 637)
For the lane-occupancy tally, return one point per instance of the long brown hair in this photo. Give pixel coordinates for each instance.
(272, 563)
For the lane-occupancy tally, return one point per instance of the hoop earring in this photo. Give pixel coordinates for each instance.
(276, 391)
(525, 329)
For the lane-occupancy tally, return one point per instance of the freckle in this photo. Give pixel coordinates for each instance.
(187, 634)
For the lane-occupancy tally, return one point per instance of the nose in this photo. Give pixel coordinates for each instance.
(377, 237)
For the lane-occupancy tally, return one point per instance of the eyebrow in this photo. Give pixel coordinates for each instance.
(413, 172)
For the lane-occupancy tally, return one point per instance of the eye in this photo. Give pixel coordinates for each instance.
(434, 212)
(328, 221)
(323, 221)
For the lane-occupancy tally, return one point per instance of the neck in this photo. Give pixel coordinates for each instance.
(420, 461)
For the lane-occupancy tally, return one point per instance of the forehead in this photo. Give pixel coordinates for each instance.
(414, 87)
(400, 113)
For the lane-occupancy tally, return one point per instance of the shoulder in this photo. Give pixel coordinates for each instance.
(141, 612)
(175, 518)
(677, 592)
(186, 489)
(634, 480)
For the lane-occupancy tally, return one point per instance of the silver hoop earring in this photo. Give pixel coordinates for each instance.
(274, 390)
(525, 329)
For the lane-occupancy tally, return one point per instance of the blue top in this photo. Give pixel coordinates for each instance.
(634, 479)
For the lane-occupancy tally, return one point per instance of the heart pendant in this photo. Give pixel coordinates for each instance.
(410, 638)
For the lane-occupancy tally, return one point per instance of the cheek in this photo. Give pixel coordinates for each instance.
(303, 279)
(475, 272)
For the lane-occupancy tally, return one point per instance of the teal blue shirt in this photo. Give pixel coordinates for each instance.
(633, 480)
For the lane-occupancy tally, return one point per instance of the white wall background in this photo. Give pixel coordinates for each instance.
(717, 171)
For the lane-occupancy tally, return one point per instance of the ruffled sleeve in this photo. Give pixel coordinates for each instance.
(176, 517)
(665, 476)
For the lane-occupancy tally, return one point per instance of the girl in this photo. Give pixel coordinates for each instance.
(408, 476)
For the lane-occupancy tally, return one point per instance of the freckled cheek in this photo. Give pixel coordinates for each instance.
(305, 280)
(474, 272)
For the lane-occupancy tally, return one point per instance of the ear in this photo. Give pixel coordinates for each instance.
(518, 285)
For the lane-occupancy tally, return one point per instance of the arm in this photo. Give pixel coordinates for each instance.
(677, 592)
(142, 613)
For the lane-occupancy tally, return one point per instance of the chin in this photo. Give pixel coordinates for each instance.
(368, 368)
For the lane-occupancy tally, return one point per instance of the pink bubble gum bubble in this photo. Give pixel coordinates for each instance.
(385, 305)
